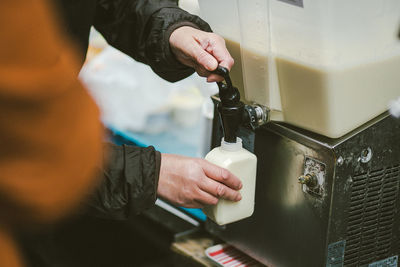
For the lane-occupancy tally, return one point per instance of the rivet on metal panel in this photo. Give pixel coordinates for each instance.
(366, 155)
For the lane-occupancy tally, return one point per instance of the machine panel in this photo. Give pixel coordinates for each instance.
(349, 216)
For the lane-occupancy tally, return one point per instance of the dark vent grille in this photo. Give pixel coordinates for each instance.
(371, 216)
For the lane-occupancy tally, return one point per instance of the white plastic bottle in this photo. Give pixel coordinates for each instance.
(243, 164)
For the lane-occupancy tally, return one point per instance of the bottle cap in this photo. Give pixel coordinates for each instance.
(232, 146)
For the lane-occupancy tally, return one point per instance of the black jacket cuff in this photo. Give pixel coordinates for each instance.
(129, 182)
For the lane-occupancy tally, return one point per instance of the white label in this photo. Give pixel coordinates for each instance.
(294, 2)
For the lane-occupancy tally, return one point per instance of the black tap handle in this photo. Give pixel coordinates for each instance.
(228, 94)
(230, 108)
(224, 72)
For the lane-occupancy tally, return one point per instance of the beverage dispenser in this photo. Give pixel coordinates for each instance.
(328, 159)
(328, 66)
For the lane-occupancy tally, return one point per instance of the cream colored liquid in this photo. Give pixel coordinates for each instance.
(256, 77)
(243, 164)
(251, 75)
(329, 102)
(335, 102)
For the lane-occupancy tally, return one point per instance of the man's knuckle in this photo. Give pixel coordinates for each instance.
(196, 192)
(224, 174)
(220, 190)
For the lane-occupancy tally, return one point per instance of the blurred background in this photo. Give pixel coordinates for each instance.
(138, 105)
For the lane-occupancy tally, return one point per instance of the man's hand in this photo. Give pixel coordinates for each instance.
(193, 182)
(200, 50)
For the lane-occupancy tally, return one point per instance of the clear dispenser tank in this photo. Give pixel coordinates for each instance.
(329, 66)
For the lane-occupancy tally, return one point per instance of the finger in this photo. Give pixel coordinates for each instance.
(202, 71)
(203, 58)
(219, 190)
(218, 50)
(214, 78)
(205, 198)
(221, 175)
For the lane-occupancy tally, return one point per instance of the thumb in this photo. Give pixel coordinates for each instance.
(203, 58)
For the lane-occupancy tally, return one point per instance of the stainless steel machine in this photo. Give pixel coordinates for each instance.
(316, 77)
(322, 74)
(322, 201)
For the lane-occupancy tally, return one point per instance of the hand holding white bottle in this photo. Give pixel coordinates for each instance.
(242, 164)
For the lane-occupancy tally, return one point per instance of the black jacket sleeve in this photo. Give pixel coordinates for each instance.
(129, 183)
(141, 29)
